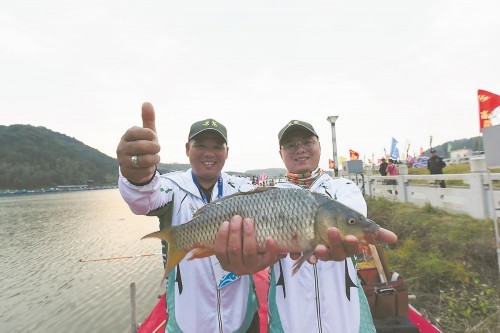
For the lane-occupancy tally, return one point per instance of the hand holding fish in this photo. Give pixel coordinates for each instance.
(242, 255)
(342, 247)
(237, 249)
(138, 149)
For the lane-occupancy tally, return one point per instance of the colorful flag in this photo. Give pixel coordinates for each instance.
(331, 164)
(353, 155)
(420, 162)
(394, 150)
(488, 102)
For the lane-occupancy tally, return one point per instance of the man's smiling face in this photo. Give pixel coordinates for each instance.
(207, 154)
(300, 151)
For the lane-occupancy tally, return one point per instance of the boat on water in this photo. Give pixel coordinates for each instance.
(413, 322)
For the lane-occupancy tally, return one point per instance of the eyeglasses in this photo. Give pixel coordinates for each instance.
(292, 148)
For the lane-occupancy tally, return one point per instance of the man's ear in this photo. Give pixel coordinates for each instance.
(188, 147)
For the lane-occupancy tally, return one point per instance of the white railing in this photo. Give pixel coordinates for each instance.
(473, 197)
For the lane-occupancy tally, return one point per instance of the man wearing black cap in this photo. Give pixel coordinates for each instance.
(195, 302)
(325, 296)
(383, 167)
(435, 165)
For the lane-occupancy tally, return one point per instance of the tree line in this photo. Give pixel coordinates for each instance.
(36, 157)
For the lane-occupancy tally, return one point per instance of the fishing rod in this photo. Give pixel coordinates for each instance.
(121, 257)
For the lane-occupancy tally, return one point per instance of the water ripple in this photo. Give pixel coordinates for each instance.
(46, 288)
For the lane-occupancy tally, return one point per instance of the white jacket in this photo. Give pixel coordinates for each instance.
(326, 297)
(194, 302)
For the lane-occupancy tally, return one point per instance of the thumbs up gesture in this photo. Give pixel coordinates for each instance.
(138, 149)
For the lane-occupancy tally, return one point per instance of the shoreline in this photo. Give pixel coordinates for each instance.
(61, 189)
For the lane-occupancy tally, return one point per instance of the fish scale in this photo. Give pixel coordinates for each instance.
(297, 219)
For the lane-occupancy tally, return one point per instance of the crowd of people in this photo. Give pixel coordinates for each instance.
(435, 165)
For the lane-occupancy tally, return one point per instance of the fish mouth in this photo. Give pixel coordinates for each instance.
(372, 229)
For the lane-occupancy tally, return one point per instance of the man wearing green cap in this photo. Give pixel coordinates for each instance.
(325, 296)
(195, 300)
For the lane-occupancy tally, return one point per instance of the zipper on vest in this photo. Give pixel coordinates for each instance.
(219, 315)
(318, 303)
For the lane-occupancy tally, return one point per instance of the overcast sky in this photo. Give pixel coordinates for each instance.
(402, 69)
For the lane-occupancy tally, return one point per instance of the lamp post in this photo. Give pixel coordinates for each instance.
(332, 120)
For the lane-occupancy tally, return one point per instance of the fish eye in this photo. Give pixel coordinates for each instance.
(351, 221)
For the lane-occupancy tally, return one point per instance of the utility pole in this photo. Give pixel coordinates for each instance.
(331, 120)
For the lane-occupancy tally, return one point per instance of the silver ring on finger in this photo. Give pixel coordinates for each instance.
(135, 161)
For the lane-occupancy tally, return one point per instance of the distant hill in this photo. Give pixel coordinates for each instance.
(36, 157)
(169, 167)
(443, 150)
(271, 172)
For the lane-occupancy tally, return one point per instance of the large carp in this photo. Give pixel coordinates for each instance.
(296, 219)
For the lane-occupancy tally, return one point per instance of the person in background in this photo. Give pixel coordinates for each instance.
(392, 170)
(383, 167)
(435, 165)
(326, 295)
(194, 300)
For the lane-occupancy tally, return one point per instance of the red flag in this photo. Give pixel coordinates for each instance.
(331, 164)
(354, 155)
(487, 103)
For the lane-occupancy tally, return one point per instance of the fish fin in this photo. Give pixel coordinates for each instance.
(201, 252)
(221, 200)
(174, 254)
(165, 234)
(298, 263)
(174, 257)
(260, 189)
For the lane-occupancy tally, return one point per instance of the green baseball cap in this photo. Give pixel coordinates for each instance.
(292, 124)
(208, 125)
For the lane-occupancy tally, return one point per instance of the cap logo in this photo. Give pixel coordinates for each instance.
(212, 123)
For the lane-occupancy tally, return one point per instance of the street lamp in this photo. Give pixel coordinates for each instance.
(332, 120)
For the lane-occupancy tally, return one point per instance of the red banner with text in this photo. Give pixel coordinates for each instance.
(488, 102)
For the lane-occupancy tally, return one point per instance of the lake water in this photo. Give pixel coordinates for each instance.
(44, 286)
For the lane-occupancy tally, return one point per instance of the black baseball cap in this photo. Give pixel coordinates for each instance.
(208, 125)
(292, 124)
(433, 151)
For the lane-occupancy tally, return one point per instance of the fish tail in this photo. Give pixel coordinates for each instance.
(174, 254)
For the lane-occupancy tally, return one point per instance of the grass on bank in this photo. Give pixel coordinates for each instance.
(449, 262)
(451, 169)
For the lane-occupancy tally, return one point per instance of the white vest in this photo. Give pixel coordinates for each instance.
(326, 297)
(194, 302)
